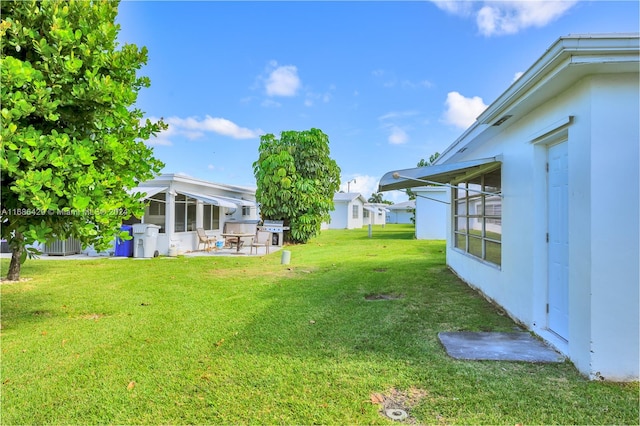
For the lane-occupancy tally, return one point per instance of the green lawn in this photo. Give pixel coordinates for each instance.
(238, 340)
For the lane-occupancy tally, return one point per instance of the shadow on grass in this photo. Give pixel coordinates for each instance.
(326, 312)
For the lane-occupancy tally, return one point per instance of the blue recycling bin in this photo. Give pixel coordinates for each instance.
(124, 248)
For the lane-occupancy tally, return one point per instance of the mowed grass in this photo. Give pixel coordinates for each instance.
(239, 340)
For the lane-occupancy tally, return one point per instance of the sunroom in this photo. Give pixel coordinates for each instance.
(180, 205)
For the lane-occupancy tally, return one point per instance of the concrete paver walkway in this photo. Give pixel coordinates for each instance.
(517, 346)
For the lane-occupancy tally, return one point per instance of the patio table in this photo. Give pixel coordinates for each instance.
(237, 236)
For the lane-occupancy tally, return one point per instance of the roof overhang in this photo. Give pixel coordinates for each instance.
(149, 191)
(210, 199)
(438, 174)
(568, 60)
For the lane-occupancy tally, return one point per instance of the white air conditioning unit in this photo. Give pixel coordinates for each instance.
(63, 247)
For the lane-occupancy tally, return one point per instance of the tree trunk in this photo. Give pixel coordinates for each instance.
(14, 266)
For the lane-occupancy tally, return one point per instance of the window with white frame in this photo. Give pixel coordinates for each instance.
(155, 210)
(365, 214)
(185, 218)
(210, 217)
(477, 221)
(246, 210)
(355, 212)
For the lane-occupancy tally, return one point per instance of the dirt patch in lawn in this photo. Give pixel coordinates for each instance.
(396, 404)
(383, 296)
(93, 316)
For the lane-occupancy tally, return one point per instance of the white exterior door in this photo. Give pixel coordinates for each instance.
(558, 247)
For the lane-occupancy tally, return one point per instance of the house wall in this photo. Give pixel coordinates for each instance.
(399, 216)
(339, 218)
(342, 215)
(378, 217)
(188, 241)
(614, 227)
(357, 222)
(431, 215)
(603, 223)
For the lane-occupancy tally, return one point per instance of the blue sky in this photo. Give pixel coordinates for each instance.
(390, 83)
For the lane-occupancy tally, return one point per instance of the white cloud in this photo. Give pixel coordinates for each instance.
(455, 7)
(398, 136)
(282, 80)
(396, 124)
(163, 138)
(398, 114)
(312, 97)
(517, 76)
(365, 185)
(461, 111)
(194, 128)
(507, 17)
(270, 103)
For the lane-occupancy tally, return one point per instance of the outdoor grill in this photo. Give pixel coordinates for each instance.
(277, 228)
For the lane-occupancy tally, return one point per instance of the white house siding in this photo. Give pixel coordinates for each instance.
(342, 215)
(431, 212)
(603, 217)
(615, 185)
(401, 213)
(377, 214)
(401, 216)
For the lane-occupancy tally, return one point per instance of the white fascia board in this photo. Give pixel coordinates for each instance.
(569, 58)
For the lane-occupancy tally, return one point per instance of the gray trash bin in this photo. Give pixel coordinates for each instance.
(145, 238)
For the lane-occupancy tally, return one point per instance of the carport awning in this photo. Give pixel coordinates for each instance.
(149, 190)
(441, 173)
(210, 199)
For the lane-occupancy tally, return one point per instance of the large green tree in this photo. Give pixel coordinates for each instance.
(296, 180)
(72, 142)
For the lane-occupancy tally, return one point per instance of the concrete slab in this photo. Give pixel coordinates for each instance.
(519, 346)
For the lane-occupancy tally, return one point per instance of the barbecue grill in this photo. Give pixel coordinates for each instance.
(277, 228)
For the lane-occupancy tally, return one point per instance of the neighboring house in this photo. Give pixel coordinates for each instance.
(180, 204)
(375, 214)
(544, 219)
(348, 211)
(432, 203)
(401, 212)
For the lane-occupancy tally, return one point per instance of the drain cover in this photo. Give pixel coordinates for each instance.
(396, 414)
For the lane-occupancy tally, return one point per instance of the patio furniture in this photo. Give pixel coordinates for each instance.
(232, 229)
(261, 239)
(234, 238)
(205, 239)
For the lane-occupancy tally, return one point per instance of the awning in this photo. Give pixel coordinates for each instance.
(211, 199)
(441, 173)
(378, 210)
(237, 201)
(149, 190)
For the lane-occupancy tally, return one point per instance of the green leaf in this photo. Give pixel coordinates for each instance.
(80, 202)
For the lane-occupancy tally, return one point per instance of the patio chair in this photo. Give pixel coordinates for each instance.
(262, 239)
(205, 239)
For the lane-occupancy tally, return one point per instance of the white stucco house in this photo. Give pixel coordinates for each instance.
(375, 214)
(401, 212)
(348, 211)
(432, 203)
(179, 204)
(544, 217)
